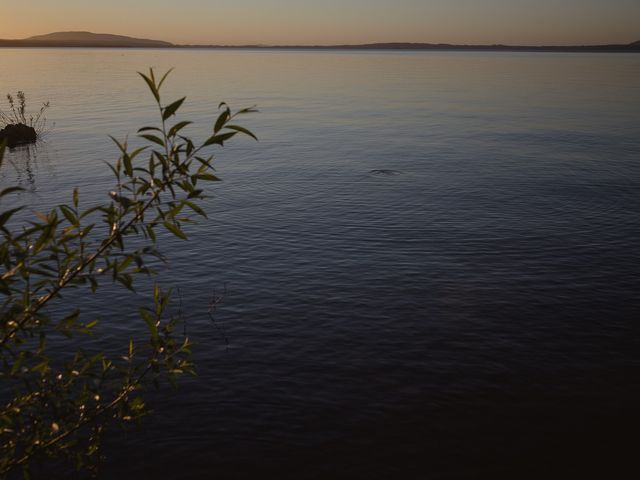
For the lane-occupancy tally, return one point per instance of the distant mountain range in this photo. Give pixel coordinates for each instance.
(88, 39)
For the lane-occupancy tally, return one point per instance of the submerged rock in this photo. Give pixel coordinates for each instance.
(18, 134)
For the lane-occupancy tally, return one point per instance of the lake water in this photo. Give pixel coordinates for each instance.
(431, 260)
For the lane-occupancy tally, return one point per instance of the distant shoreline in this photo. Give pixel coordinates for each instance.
(102, 40)
(449, 48)
(428, 47)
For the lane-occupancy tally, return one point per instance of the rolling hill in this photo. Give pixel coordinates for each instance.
(87, 39)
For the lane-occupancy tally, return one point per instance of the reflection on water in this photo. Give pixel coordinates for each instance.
(25, 165)
(430, 258)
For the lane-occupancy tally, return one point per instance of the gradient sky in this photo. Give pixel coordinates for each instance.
(532, 22)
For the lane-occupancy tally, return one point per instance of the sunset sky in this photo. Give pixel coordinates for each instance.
(532, 22)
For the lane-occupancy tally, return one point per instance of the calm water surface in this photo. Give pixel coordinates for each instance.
(431, 259)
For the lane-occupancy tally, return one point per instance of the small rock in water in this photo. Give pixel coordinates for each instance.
(18, 134)
(384, 173)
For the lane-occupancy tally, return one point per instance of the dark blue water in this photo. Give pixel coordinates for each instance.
(430, 259)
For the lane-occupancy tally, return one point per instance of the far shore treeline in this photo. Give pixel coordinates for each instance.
(95, 40)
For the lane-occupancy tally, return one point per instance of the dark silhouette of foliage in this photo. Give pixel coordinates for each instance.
(17, 126)
(58, 408)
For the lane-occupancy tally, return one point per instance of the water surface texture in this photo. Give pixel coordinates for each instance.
(430, 259)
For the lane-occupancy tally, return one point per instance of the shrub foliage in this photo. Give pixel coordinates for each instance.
(55, 408)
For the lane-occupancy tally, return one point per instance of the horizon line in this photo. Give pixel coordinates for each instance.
(115, 40)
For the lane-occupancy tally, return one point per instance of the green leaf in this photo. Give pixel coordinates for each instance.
(124, 201)
(126, 280)
(9, 190)
(121, 146)
(128, 167)
(153, 138)
(151, 233)
(146, 129)
(177, 127)
(151, 85)
(237, 128)
(222, 118)
(68, 214)
(41, 367)
(195, 208)
(91, 324)
(175, 230)
(164, 77)
(175, 210)
(5, 216)
(151, 322)
(207, 177)
(247, 110)
(195, 193)
(172, 108)
(219, 139)
(122, 266)
(18, 363)
(67, 324)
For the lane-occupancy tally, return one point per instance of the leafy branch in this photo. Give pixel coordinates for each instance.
(53, 400)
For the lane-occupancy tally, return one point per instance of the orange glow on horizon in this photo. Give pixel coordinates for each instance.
(302, 22)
